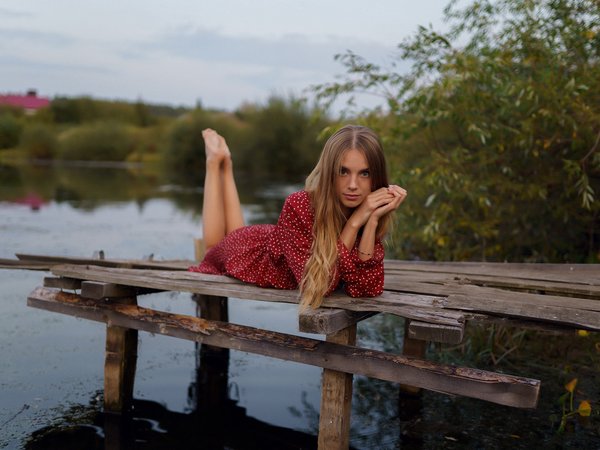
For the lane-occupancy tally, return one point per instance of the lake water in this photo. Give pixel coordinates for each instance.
(51, 365)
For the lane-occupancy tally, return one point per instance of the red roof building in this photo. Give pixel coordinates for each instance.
(29, 102)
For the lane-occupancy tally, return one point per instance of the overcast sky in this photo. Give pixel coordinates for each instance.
(223, 52)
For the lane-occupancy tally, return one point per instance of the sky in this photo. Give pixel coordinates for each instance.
(180, 52)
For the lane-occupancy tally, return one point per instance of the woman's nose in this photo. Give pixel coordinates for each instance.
(352, 183)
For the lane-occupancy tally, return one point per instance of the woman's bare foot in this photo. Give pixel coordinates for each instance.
(215, 146)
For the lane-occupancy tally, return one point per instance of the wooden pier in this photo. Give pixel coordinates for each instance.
(437, 300)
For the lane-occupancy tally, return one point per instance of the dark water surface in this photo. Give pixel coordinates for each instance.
(51, 365)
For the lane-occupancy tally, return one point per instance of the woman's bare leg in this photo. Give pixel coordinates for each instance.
(234, 218)
(221, 211)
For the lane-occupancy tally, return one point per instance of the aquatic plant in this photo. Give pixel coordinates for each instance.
(567, 400)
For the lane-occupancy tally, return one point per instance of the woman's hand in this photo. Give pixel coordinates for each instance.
(377, 204)
(398, 193)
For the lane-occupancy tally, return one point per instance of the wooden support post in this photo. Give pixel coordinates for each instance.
(336, 399)
(424, 331)
(414, 348)
(119, 365)
(210, 392)
(329, 320)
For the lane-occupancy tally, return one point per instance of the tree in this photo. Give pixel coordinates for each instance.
(282, 138)
(499, 136)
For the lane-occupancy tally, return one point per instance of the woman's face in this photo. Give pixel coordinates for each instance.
(353, 182)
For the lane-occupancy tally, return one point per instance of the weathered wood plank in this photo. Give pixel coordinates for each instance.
(48, 261)
(586, 274)
(494, 387)
(16, 264)
(519, 308)
(458, 287)
(418, 307)
(98, 290)
(336, 399)
(434, 332)
(62, 283)
(426, 281)
(329, 320)
(582, 273)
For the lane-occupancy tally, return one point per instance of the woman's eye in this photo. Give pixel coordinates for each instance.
(364, 173)
(343, 171)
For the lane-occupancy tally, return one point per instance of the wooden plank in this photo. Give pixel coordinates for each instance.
(98, 290)
(583, 273)
(329, 320)
(336, 399)
(494, 387)
(15, 264)
(522, 309)
(434, 332)
(570, 311)
(62, 283)
(509, 296)
(48, 261)
(418, 307)
(403, 280)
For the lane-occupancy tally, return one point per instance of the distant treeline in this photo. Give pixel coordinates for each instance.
(279, 138)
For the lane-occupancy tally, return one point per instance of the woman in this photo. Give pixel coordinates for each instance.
(327, 235)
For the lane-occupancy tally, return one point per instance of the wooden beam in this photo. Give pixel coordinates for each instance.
(494, 387)
(48, 261)
(98, 290)
(336, 399)
(62, 283)
(435, 332)
(329, 320)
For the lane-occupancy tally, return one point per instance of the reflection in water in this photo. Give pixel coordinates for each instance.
(89, 187)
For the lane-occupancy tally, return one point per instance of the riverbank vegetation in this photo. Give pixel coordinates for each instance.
(494, 131)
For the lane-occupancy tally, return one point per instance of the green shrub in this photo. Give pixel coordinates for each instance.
(184, 155)
(282, 139)
(39, 141)
(103, 141)
(10, 130)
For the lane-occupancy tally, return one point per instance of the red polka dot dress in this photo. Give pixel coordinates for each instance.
(275, 255)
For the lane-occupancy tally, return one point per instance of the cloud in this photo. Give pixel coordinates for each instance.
(297, 52)
(12, 14)
(39, 37)
(16, 63)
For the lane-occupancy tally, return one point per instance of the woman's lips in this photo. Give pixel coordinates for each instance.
(352, 197)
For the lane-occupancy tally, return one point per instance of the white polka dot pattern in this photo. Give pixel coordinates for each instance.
(275, 255)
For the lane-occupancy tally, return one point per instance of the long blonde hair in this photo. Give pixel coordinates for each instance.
(329, 217)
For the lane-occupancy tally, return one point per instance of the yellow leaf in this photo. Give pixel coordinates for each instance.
(441, 241)
(570, 386)
(590, 34)
(583, 333)
(585, 409)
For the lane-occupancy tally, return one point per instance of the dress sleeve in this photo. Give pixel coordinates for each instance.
(290, 242)
(361, 278)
